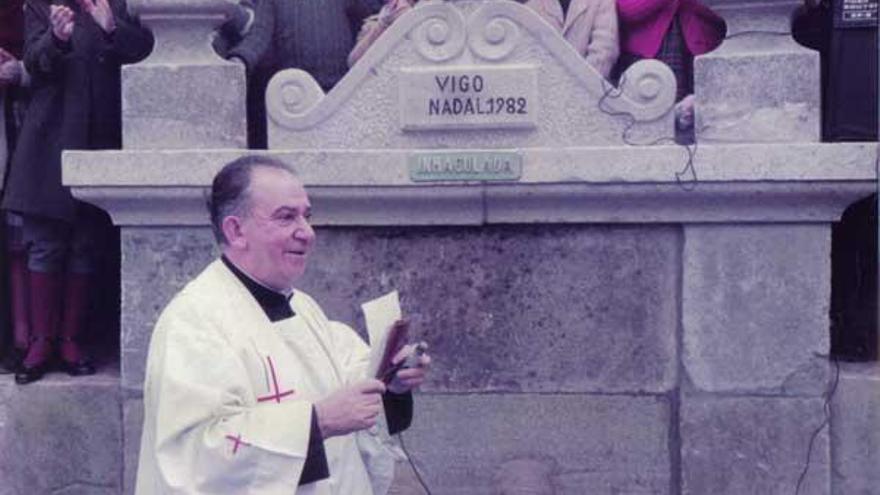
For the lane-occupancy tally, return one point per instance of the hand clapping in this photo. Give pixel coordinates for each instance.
(61, 20)
(61, 17)
(101, 12)
(10, 69)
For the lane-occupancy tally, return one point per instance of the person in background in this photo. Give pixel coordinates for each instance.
(376, 24)
(846, 36)
(846, 40)
(313, 36)
(231, 32)
(13, 80)
(674, 32)
(73, 52)
(590, 26)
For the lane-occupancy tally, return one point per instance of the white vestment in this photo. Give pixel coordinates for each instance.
(228, 397)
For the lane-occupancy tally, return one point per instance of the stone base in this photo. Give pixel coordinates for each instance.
(855, 430)
(755, 308)
(132, 426)
(61, 435)
(748, 445)
(769, 95)
(154, 118)
(559, 444)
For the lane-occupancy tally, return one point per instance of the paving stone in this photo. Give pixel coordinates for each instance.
(61, 436)
(855, 430)
(755, 307)
(752, 445)
(568, 444)
(513, 308)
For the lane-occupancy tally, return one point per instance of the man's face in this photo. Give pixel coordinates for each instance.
(276, 228)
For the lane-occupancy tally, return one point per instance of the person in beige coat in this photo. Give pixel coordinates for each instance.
(590, 26)
(376, 24)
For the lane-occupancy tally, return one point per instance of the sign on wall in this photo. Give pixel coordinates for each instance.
(474, 97)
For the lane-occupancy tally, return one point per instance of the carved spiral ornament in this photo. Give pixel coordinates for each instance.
(650, 84)
(290, 94)
(493, 35)
(441, 35)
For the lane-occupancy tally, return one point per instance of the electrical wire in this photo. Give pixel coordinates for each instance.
(826, 420)
(686, 178)
(413, 465)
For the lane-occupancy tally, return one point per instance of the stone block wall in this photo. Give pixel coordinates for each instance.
(755, 322)
(573, 357)
(855, 431)
(568, 358)
(62, 436)
(555, 346)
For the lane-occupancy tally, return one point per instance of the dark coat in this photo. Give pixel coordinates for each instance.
(11, 26)
(75, 101)
(315, 36)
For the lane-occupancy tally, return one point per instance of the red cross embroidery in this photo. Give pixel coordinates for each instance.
(278, 393)
(236, 442)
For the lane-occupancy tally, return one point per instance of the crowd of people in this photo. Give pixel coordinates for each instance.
(60, 89)
(326, 39)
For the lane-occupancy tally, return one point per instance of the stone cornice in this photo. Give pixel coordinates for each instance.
(747, 183)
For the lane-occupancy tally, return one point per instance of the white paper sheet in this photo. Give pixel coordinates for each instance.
(380, 314)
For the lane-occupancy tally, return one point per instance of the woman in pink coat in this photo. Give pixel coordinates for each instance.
(590, 26)
(672, 31)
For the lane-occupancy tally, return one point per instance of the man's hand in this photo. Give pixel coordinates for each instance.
(684, 112)
(409, 378)
(10, 69)
(351, 409)
(392, 10)
(61, 20)
(101, 12)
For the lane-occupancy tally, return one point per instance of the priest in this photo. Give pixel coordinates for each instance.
(249, 388)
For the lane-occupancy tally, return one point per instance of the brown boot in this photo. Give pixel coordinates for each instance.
(76, 303)
(45, 298)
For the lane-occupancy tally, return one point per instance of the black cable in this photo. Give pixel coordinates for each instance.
(826, 409)
(413, 465)
(609, 91)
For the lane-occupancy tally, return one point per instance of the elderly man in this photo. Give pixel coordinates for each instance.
(249, 387)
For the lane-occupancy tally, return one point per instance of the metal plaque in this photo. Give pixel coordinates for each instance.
(465, 166)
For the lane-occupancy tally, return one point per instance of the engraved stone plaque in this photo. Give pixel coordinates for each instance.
(465, 166)
(473, 97)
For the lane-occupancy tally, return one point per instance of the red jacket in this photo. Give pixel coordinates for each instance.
(11, 26)
(643, 23)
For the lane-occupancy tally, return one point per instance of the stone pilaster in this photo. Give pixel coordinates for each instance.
(759, 85)
(183, 95)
